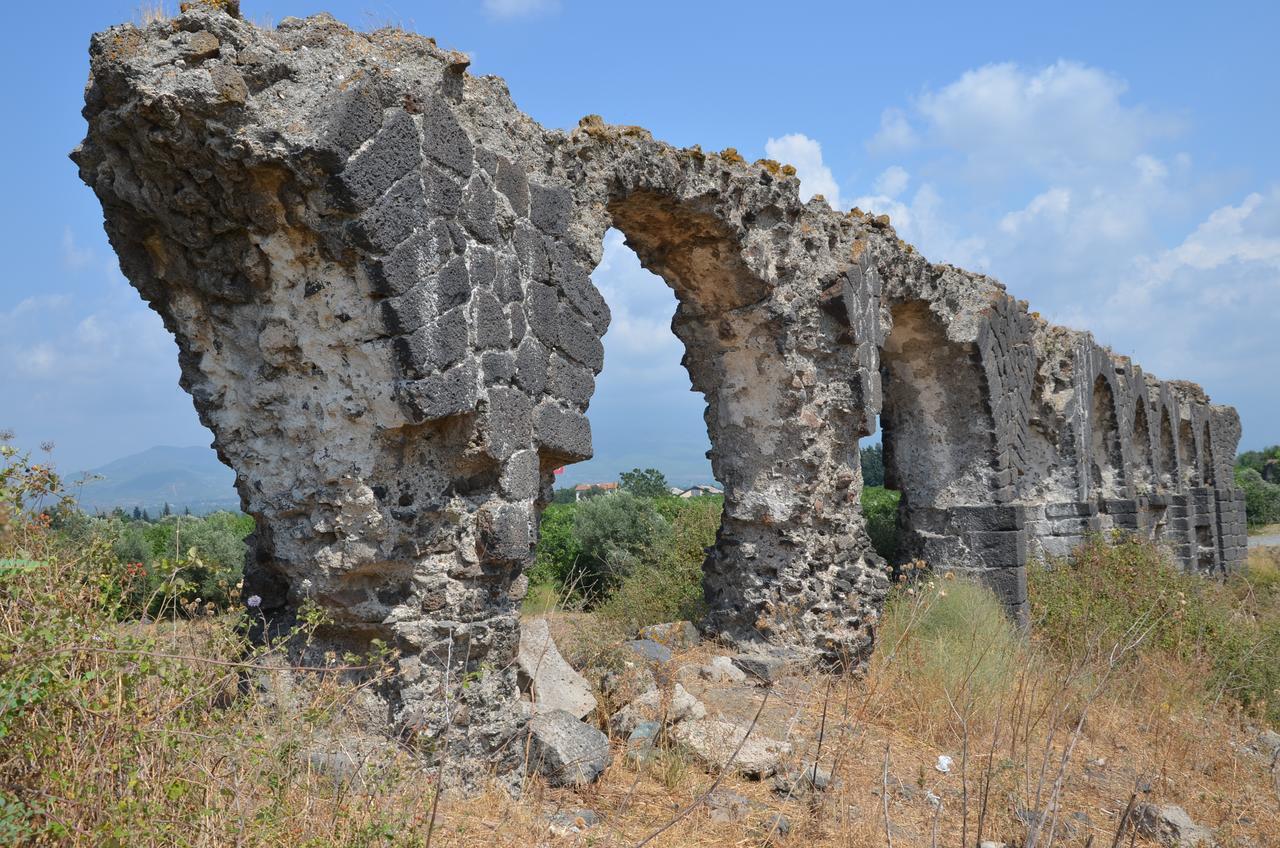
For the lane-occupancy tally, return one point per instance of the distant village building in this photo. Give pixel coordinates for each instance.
(587, 490)
(697, 491)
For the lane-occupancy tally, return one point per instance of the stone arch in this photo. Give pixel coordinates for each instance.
(1188, 472)
(782, 415)
(1106, 464)
(936, 422)
(1168, 451)
(1208, 476)
(1143, 459)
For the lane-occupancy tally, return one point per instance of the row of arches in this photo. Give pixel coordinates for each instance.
(1171, 458)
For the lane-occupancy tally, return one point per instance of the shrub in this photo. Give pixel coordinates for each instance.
(645, 483)
(1110, 589)
(668, 585)
(1261, 499)
(616, 533)
(558, 548)
(872, 458)
(948, 641)
(880, 509)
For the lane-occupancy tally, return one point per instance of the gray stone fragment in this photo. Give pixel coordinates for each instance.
(520, 475)
(452, 284)
(572, 382)
(726, 806)
(670, 707)
(576, 339)
(551, 682)
(562, 433)
(513, 183)
(763, 667)
(572, 822)
(393, 217)
(551, 207)
(806, 779)
(531, 366)
(649, 650)
(441, 395)
(493, 330)
(566, 751)
(722, 670)
(1169, 825)
(444, 139)
(677, 635)
(715, 743)
(392, 154)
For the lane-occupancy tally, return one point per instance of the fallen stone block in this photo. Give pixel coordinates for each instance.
(566, 751)
(726, 746)
(1170, 825)
(722, 670)
(571, 822)
(766, 668)
(676, 635)
(649, 650)
(547, 677)
(807, 779)
(655, 705)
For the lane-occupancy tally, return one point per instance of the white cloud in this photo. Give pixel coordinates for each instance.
(519, 8)
(1054, 203)
(892, 181)
(805, 154)
(921, 221)
(74, 257)
(1196, 306)
(895, 133)
(1064, 117)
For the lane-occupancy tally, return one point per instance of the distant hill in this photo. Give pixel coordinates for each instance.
(181, 477)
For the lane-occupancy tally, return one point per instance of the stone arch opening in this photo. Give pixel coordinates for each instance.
(1189, 472)
(1207, 476)
(726, 333)
(790, 535)
(1168, 452)
(1106, 455)
(937, 432)
(1143, 467)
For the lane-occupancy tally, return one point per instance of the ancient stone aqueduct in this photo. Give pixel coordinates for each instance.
(377, 270)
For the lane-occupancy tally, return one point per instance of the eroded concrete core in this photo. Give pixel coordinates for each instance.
(377, 270)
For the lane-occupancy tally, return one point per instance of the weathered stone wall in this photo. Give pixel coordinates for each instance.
(377, 272)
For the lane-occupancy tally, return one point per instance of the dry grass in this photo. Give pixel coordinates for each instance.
(180, 760)
(154, 11)
(128, 734)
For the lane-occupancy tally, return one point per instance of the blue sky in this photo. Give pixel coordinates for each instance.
(1115, 164)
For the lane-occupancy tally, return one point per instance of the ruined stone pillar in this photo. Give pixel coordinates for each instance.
(377, 273)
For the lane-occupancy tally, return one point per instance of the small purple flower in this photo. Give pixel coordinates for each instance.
(254, 601)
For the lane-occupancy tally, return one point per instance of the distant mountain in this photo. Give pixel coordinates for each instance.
(181, 477)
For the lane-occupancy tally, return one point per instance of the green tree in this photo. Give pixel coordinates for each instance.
(558, 548)
(616, 534)
(645, 483)
(1257, 460)
(873, 465)
(1261, 499)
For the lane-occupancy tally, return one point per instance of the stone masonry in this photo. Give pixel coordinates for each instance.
(377, 270)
